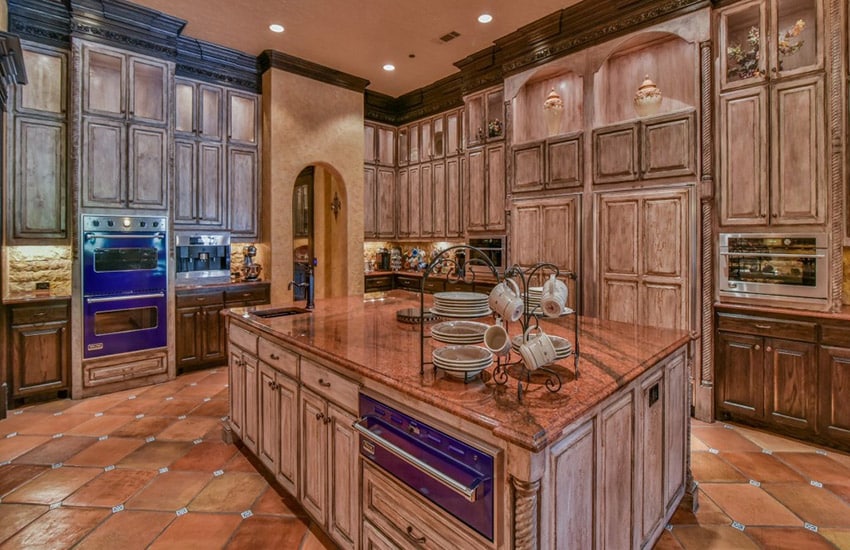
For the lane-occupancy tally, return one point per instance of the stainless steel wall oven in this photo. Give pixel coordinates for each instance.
(773, 266)
(125, 283)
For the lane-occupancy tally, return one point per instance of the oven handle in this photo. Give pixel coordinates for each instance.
(122, 236)
(124, 297)
(469, 493)
(770, 255)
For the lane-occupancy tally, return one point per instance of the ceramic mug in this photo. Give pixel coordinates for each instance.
(537, 350)
(554, 298)
(496, 339)
(506, 300)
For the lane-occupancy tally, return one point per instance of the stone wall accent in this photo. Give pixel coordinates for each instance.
(28, 265)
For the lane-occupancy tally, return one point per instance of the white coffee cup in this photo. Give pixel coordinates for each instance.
(497, 340)
(506, 300)
(554, 298)
(537, 350)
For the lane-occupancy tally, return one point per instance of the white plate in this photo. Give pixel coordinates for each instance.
(460, 356)
(459, 332)
(465, 297)
(464, 313)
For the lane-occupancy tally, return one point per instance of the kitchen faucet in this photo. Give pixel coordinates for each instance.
(309, 285)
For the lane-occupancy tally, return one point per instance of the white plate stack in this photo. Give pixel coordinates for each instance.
(562, 346)
(532, 299)
(459, 332)
(461, 304)
(462, 361)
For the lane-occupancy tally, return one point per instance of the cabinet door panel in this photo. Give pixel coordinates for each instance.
(103, 82)
(743, 157)
(210, 184)
(615, 521)
(662, 305)
(439, 198)
(559, 233)
(454, 202)
(403, 203)
(528, 168)
(369, 150)
(620, 300)
(676, 427)
(184, 107)
(414, 213)
(46, 79)
(213, 335)
(370, 179)
(314, 455)
(525, 245)
(668, 147)
(268, 444)
(243, 183)
(791, 374)
(571, 467)
(185, 178)
(740, 374)
(615, 154)
(242, 118)
(147, 171)
(496, 187)
(426, 200)
(834, 387)
(650, 501)
(251, 427)
(453, 133)
(287, 468)
(148, 87)
(619, 235)
(103, 163)
(475, 192)
(565, 162)
(39, 186)
(798, 159)
(236, 386)
(186, 336)
(385, 203)
(39, 358)
(209, 112)
(386, 146)
(343, 513)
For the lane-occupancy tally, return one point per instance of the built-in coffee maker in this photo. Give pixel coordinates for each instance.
(203, 258)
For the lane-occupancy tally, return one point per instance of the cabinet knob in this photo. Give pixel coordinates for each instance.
(274, 356)
(757, 347)
(319, 416)
(327, 420)
(768, 349)
(323, 383)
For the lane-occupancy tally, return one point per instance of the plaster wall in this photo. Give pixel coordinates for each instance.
(4, 15)
(307, 122)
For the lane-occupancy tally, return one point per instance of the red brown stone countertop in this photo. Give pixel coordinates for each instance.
(842, 315)
(27, 297)
(222, 285)
(365, 337)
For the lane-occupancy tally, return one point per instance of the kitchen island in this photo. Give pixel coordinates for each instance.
(599, 463)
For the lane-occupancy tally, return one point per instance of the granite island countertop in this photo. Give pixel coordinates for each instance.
(364, 338)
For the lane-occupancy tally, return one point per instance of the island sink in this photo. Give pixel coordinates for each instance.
(279, 312)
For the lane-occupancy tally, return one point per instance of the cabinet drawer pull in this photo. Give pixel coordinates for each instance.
(274, 356)
(768, 349)
(319, 416)
(414, 539)
(764, 327)
(323, 383)
(246, 294)
(41, 314)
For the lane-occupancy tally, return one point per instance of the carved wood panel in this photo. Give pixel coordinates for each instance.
(571, 484)
(385, 210)
(475, 197)
(834, 386)
(791, 378)
(439, 197)
(615, 520)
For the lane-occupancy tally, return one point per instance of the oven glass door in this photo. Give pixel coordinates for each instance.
(117, 263)
(120, 324)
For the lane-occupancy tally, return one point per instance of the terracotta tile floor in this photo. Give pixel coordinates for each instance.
(147, 468)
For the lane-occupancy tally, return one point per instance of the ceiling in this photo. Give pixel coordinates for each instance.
(358, 38)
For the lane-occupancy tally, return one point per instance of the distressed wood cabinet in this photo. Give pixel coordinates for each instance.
(37, 196)
(126, 132)
(833, 380)
(485, 189)
(485, 116)
(277, 446)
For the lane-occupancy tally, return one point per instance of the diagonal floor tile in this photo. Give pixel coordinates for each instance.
(177, 407)
(149, 426)
(271, 503)
(56, 451)
(268, 532)
(55, 406)
(140, 405)
(215, 408)
(749, 505)
(97, 426)
(15, 422)
(189, 429)
(785, 538)
(52, 425)
(817, 467)
(712, 537)
(59, 528)
(667, 542)
(127, 530)
(169, 492)
(707, 514)
(204, 530)
(762, 467)
(708, 467)
(815, 505)
(97, 404)
(775, 443)
(207, 456)
(110, 489)
(106, 452)
(239, 464)
(315, 539)
(53, 486)
(155, 455)
(13, 447)
(724, 439)
(839, 537)
(14, 517)
(13, 476)
(231, 492)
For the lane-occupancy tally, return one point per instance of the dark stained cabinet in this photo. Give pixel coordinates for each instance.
(834, 383)
(242, 171)
(39, 350)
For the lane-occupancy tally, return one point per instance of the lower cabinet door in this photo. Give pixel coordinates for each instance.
(287, 465)
(834, 387)
(268, 444)
(373, 539)
(314, 455)
(740, 375)
(252, 425)
(344, 516)
(791, 379)
(237, 392)
(39, 358)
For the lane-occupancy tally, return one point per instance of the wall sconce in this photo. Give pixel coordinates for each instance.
(336, 205)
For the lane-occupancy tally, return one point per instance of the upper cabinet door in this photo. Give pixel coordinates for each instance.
(369, 143)
(104, 74)
(242, 117)
(386, 146)
(438, 137)
(148, 84)
(743, 55)
(47, 73)
(453, 133)
(210, 124)
(797, 46)
(184, 107)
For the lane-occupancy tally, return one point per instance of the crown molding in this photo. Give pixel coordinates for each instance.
(216, 64)
(271, 59)
(42, 21)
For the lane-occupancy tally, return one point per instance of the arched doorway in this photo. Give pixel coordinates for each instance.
(319, 220)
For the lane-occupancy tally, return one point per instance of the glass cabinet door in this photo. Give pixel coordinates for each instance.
(797, 46)
(742, 43)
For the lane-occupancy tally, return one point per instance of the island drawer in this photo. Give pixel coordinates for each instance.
(277, 357)
(379, 282)
(767, 326)
(408, 518)
(243, 338)
(329, 384)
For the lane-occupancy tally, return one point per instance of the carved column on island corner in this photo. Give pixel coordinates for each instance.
(525, 497)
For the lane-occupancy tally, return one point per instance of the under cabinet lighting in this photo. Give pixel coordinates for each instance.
(276, 28)
(485, 18)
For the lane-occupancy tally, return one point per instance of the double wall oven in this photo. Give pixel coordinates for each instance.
(125, 283)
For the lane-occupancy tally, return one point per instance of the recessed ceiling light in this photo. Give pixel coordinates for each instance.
(276, 28)
(485, 18)
(389, 67)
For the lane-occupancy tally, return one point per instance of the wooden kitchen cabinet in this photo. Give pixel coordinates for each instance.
(485, 191)
(379, 197)
(833, 384)
(277, 446)
(379, 144)
(425, 203)
(39, 350)
(243, 183)
(329, 453)
(243, 373)
(126, 129)
(454, 197)
(37, 204)
(552, 164)
(485, 116)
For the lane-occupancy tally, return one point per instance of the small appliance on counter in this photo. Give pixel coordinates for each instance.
(396, 260)
(250, 269)
(203, 259)
(382, 259)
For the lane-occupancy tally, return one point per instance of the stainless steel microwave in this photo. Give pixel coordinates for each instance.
(773, 266)
(492, 249)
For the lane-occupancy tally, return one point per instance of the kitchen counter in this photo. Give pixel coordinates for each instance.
(27, 297)
(842, 315)
(365, 339)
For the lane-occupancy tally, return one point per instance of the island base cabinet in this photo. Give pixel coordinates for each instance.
(277, 446)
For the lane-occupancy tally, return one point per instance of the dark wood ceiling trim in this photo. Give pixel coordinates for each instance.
(126, 25)
(291, 64)
(12, 70)
(379, 107)
(210, 62)
(42, 21)
(443, 95)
